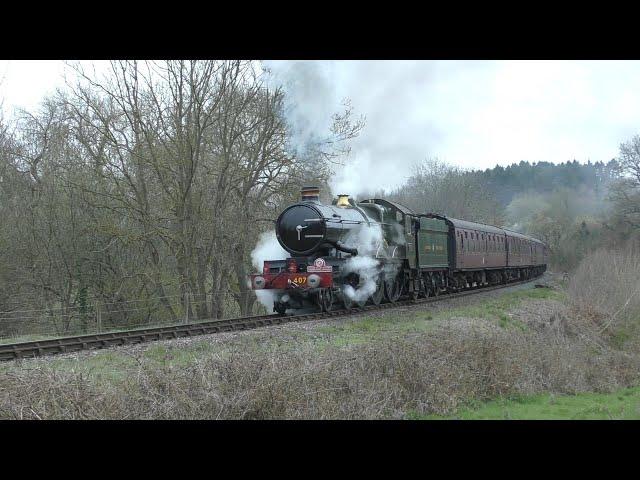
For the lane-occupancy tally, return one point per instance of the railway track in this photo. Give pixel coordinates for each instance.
(13, 351)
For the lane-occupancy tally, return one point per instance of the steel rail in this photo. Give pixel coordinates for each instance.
(13, 351)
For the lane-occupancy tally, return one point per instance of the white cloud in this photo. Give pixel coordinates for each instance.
(24, 83)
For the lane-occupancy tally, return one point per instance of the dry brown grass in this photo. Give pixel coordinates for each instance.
(540, 346)
(434, 372)
(605, 293)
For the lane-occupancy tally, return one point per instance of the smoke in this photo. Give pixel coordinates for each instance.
(310, 100)
(369, 241)
(367, 269)
(397, 133)
(314, 94)
(472, 114)
(268, 248)
(350, 179)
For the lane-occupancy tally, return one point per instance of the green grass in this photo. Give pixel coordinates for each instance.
(27, 338)
(621, 405)
(116, 364)
(361, 329)
(497, 308)
(111, 365)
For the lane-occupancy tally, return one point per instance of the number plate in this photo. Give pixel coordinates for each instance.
(299, 280)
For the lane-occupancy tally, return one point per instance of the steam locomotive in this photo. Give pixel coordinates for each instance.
(347, 254)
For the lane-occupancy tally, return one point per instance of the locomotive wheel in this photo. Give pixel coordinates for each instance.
(425, 281)
(326, 300)
(376, 297)
(361, 303)
(393, 289)
(279, 307)
(352, 281)
(415, 294)
(347, 303)
(424, 288)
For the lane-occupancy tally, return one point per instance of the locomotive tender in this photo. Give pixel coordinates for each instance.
(405, 253)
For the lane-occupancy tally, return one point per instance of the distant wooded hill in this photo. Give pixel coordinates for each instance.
(545, 177)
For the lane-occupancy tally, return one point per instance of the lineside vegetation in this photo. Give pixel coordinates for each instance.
(519, 345)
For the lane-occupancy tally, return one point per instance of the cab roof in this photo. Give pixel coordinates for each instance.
(382, 201)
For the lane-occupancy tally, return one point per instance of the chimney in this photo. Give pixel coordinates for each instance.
(309, 194)
(343, 200)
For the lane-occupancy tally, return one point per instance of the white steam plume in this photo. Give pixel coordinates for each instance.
(268, 248)
(382, 154)
(310, 101)
(369, 241)
(314, 94)
(351, 179)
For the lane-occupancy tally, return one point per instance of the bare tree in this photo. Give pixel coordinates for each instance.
(138, 196)
(626, 192)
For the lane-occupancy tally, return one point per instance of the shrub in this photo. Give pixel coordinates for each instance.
(605, 290)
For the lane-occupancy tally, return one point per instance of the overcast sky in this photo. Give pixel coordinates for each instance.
(474, 114)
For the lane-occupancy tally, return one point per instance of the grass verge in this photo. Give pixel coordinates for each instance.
(623, 404)
(514, 345)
